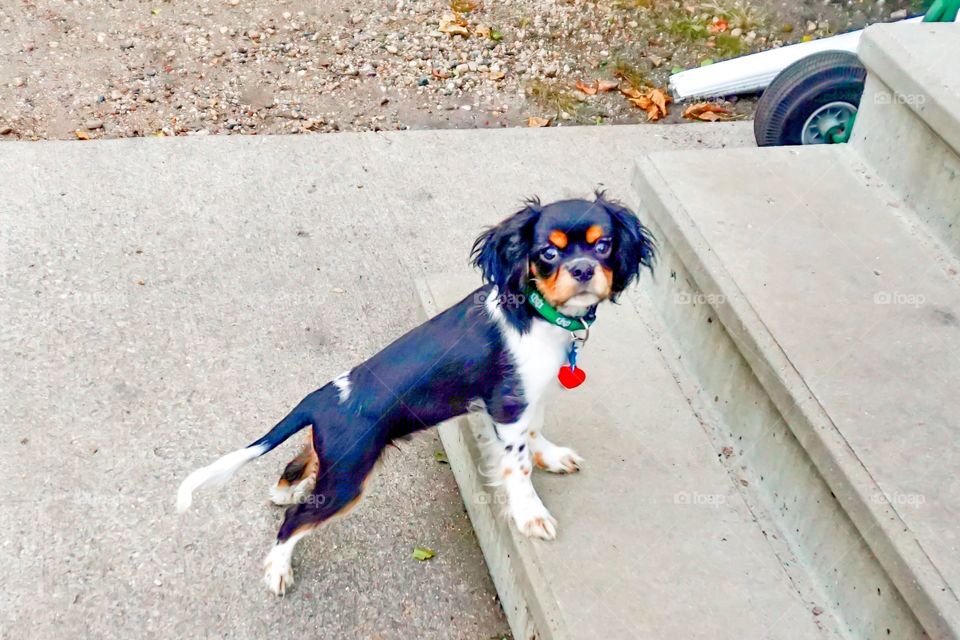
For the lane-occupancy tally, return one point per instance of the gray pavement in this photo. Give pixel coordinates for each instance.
(165, 301)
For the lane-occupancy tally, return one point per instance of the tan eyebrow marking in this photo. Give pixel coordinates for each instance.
(594, 233)
(558, 239)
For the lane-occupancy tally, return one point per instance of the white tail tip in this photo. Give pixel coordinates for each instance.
(184, 496)
(216, 473)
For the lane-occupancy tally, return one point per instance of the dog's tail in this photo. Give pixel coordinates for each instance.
(224, 468)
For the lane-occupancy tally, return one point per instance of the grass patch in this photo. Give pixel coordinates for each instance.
(680, 21)
(553, 97)
(728, 46)
(632, 5)
(692, 23)
(684, 25)
(629, 72)
(739, 14)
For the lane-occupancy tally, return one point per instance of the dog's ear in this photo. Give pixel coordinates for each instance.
(501, 252)
(633, 246)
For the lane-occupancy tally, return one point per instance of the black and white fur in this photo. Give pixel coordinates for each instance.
(491, 350)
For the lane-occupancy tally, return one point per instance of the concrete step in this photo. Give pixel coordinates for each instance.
(908, 125)
(823, 325)
(658, 535)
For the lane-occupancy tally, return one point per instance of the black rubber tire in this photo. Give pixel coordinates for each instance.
(802, 88)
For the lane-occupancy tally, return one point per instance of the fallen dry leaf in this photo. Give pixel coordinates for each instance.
(660, 99)
(719, 26)
(482, 30)
(455, 30)
(534, 121)
(589, 89)
(497, 75)
(630, 91)
(654, 102)
(454, 24)
(643, 102)
(706, 111)
(604, 86)
(463, 6)
(81, 135)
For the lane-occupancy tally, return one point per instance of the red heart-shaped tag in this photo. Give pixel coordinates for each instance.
(571, 378)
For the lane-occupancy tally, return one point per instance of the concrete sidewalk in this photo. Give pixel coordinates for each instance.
(165, 301)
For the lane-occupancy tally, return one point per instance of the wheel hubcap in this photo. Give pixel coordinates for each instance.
(828, 121)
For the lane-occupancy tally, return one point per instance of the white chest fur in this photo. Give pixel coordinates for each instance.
(538, 353)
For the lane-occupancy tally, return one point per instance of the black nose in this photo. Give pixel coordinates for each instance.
(581, 270)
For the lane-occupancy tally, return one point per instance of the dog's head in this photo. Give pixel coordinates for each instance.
(575, 252)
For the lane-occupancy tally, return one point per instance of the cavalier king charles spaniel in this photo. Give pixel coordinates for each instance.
(497, 352)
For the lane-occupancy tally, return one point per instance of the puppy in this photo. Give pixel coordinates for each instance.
(546, 268)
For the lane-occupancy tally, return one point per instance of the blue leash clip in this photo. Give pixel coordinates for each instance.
(572, 355)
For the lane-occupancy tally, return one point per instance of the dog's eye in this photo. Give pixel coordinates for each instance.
(550, 254)
(602, 246)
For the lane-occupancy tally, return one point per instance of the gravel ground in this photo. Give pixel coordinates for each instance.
(115, 68)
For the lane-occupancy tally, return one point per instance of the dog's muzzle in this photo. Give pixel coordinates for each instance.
(582, 269)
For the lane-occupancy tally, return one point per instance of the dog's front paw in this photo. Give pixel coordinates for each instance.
(557, 459)
(534, 521)
(278, 578)
(277, 573)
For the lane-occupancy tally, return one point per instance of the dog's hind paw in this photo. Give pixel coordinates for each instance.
(292, 494)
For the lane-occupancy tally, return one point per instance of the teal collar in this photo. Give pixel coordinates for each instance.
(551, 315)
